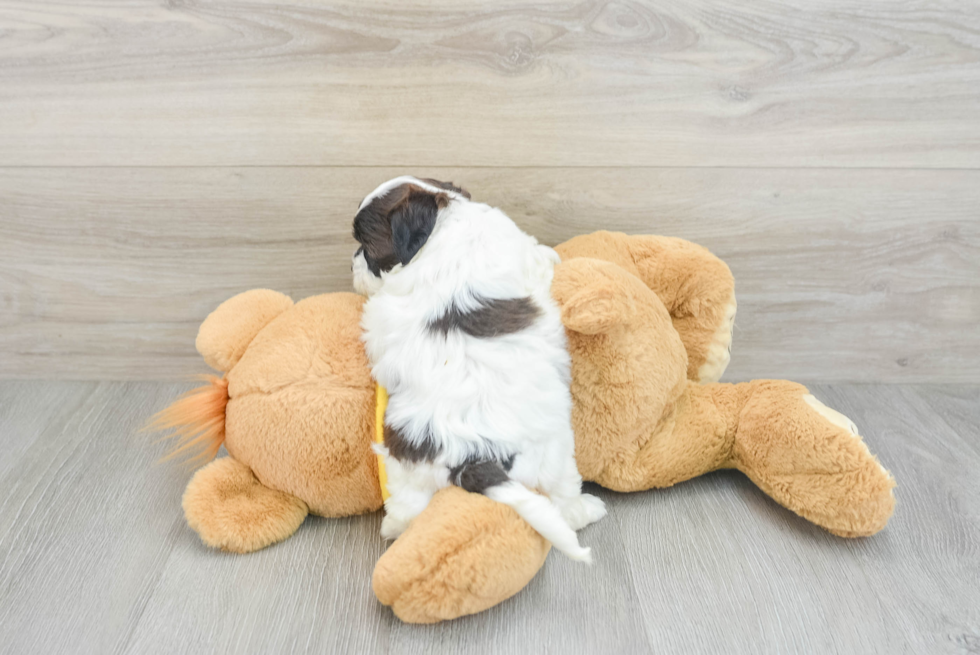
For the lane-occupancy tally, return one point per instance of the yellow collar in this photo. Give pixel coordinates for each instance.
(380, 405)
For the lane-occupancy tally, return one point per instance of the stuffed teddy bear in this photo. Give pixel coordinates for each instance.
(649, 322)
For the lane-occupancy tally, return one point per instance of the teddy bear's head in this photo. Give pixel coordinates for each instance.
(301, 399)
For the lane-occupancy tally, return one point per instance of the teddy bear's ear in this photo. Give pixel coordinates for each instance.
(593, 295)
(227, 331)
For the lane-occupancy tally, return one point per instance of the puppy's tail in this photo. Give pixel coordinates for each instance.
(490, 479)
(543, 516)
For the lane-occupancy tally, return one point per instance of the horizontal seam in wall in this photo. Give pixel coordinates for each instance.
(472, 167)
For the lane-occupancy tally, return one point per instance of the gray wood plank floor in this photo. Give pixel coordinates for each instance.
(95, 556)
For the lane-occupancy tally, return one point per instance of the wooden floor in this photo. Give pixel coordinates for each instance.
(95, 556)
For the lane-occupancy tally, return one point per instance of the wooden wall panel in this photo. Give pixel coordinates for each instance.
(841, 274)
(549, 83)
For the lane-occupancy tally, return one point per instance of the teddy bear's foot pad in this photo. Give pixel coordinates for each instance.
(719, 352)
(230, 509)
(811, 459)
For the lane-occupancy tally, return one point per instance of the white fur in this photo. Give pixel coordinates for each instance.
(478, 396)
(405, 179)
(366, 283)
(543, 515)
(416, 483)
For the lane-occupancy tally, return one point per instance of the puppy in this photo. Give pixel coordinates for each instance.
(460, 327)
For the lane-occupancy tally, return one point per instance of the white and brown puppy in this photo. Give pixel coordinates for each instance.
(461, 329)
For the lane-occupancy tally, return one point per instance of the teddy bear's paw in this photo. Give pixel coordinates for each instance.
(719, 351)
(841, 421)
(583, 510)
(392, 527)
(831, 415)
(811, 459)
(230, 509)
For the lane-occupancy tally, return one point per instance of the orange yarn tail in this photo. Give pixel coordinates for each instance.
(197, 419)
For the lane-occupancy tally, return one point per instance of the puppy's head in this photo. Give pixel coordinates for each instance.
(393, 223)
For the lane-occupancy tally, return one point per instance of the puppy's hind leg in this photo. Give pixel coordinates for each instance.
(582, 510)
(400, 510)
(565, 490)
(411, 487)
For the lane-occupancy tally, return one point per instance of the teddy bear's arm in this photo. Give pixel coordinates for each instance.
(592, 296)
(226, 332)
(696, 287)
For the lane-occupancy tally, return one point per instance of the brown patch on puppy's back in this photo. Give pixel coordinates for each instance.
(403, 449)
(495, 317)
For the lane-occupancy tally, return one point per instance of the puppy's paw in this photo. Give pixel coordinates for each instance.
(392, 527)
(583, 510)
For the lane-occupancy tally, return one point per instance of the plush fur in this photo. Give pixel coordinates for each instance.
(695, 287)
(250, 515)
(429, 558)
(300, 418)
(469, 343)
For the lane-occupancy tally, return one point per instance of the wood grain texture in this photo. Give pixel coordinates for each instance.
(85, 531)
(937, 526)
(95, 557)
(959, 408)
(29, 410)
(840, 275)
(553, 83)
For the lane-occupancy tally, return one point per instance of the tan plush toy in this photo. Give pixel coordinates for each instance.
(649, 324)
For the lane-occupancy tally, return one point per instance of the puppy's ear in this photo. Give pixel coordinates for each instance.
(412, 222)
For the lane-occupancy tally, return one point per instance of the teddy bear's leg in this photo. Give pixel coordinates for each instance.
(629, 380)
(811, 459)
(696, 287)
(698, 290)
(806, 456)
(463, 554)
(231, 510)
